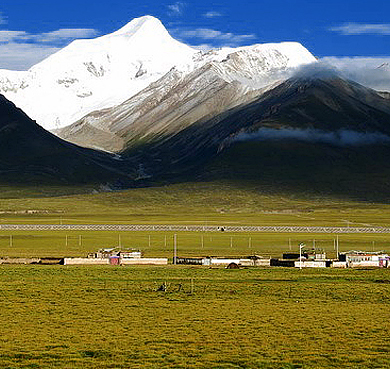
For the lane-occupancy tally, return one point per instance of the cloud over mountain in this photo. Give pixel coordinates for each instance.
(373, 72)
(3, 19)
(214, 37)
(20, 50)
(348, 29)
(176, 8)
(342, 137)
(212, 14)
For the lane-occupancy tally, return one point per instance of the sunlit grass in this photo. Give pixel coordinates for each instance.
(161, 244)
(113, 317)
(191, 203)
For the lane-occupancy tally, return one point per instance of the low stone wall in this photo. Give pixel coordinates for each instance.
(145, 261)
(216, 261)
(20, 261)
(86, 261)
(339, 264)
(263, 262)
(363, 264)
(255, 262)
(310, 264)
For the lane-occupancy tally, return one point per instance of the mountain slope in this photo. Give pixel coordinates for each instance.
(31, 155)
(94, 74)
(179, 99)
(90, 75)
(164, 108)
(327, 106)
(304, 169)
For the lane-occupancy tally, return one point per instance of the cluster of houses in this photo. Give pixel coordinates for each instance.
(304, 259)
(349, 259)
(115, 256)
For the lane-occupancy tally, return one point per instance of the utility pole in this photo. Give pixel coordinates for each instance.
(10, 241)
(174, 249)
(250, 242)
(149, 241)
(337, 246)
(80, 240)
(165, 242)
(231, 242)
(301, 245)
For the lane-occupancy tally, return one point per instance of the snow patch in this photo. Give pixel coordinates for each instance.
(91, 75)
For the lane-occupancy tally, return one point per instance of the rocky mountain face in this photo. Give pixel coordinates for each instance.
(95, 74)
(260, 113)
(328, 111)
(163, 109)
(180, 98)
(31, 155)
(91, 75)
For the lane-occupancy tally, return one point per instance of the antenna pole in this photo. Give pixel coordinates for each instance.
(174, 249)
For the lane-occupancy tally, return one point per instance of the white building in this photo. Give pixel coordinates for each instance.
(356, 259)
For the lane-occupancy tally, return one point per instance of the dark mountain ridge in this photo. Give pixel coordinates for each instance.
(213, 149)
(327, 105)
(30, 154)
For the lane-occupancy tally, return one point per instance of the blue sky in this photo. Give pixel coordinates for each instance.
(31, 30)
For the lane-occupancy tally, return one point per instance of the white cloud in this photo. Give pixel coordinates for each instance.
(3, 20)
(342, 137)
(10, 36)
(176, 8)
(373, 72)
(65, 34)
(203, 47)
(212, 14)
(22, 56)
(216, 37)
(20, 50)
(362, 29)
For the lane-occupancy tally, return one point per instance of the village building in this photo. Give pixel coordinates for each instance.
(356, 259)
(115, 256)
(254, 260)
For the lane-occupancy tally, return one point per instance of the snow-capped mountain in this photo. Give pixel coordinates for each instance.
(326, 112)
(164, 108)
(90, 75)
(94, 74)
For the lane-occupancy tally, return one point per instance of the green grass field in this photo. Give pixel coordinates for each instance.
(189, 203)
(113, 317)
(223, 203)
(161, 244)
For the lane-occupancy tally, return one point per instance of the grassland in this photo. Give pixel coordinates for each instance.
(160, 244)
(113, 317)
(224, 202)
(217, 203)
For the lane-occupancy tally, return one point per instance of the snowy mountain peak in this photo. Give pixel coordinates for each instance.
(148, 25)
(93, 74)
